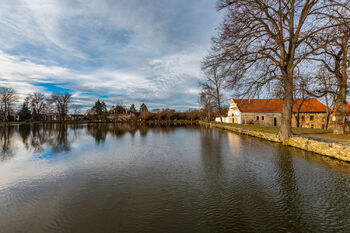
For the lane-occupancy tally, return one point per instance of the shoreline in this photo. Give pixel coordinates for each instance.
(149, 122)
(327, 148)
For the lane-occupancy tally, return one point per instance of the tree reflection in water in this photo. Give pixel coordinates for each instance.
(210, 180)
(40, 139)
(61, 143)
(6, 144)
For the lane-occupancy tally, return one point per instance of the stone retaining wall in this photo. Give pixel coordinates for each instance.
(331, 149)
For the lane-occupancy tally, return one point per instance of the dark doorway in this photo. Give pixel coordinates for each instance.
(274, 121)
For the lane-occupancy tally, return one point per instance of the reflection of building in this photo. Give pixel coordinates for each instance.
(268, 112)
(235, 143)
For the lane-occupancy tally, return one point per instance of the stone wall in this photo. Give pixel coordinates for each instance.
(266, 119)
(310, 120)
(331, 149)
(307, 120)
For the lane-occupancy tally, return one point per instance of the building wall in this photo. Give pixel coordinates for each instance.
(224, 119)
(310, 120)
(265, 119)
(234, 115)
(307, 120)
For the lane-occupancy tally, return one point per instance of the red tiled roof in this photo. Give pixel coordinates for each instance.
(275, 105)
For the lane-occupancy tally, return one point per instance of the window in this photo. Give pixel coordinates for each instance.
(311, 118)
(303, 118)
(257, 118)
(322, 126)
(312, 126)
(262, 118)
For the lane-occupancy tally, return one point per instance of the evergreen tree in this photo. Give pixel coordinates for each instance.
(99, 108)
(132, 109)
(143, 108)
(24, 113)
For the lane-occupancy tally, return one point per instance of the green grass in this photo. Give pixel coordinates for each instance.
(256, 128)
(342, 138)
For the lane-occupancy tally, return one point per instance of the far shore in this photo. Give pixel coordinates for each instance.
(139, 122)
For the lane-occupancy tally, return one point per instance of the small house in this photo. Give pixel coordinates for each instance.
(268, 112)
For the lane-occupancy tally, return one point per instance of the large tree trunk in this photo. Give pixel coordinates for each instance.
(218, 99)
(220, 112)
(340, 112)
(327, 118)
(286, 123)
(328, 112)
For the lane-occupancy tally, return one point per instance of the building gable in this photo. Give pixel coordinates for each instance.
(234, 109)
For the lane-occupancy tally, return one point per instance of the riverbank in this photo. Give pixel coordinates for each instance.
(307, 139)
(140, 122)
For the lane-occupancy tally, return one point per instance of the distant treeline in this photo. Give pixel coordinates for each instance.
(56, 107)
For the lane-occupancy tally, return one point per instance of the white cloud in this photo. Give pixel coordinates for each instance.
(160, 80)
(129, 52)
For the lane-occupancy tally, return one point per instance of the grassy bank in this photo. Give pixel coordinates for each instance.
(317, 134)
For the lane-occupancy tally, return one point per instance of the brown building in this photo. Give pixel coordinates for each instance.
(268, 112)
(118, 113)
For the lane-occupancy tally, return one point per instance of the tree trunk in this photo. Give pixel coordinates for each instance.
(327, 118)
(340, 113)
(298, 119)
(219, 101)
(220, 114)
(287, 108)
(328, 112)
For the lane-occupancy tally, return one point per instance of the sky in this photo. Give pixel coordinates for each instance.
(121, 51)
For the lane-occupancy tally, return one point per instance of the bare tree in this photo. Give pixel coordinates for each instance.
(38, 105)
(324, 85)
(299, 95)
(330, 97)
(7, 98)
(335, 60)
(61, 101)
(207, 104)
(261, 41)
(76, 109)
(50, 108)
(213, 87)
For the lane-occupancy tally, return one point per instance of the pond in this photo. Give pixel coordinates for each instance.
(122, 178)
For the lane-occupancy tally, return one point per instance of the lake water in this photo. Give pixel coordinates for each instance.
(118, 178)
